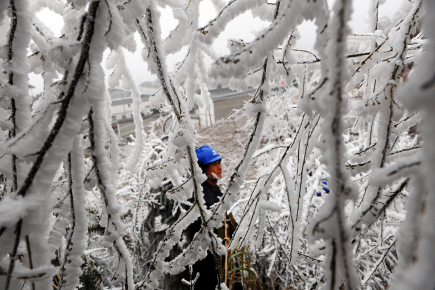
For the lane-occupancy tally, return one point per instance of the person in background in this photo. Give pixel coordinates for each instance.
(210, 163)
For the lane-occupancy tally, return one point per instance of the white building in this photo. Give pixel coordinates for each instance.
(122, 103)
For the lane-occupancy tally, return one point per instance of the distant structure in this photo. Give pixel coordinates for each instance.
(31, 90)
(224, 102)
(122, 110)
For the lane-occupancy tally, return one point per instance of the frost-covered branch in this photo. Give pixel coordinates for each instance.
(334, 176)
(387, 113)
(339, 258)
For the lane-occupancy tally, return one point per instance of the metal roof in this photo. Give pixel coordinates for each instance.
(120, 97)
(227, 94)
(129, 100)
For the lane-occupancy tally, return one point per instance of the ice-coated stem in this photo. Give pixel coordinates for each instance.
(339, 255)
(114, 229)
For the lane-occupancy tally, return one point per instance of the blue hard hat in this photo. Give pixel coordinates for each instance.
(207, 155)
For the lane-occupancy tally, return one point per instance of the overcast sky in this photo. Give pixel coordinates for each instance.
(243, 27)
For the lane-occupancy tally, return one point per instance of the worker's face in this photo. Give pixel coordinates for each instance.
(215, 168)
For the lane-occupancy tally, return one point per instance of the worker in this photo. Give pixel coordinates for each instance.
(210, 163)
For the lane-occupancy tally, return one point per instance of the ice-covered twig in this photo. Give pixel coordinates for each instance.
(379, 262)
(211, 31)
(390, 199)
(137, 117)
(76, 242)
(310, 133)
(406, 26)
(405, 150)
(114, 230)
(339, 262)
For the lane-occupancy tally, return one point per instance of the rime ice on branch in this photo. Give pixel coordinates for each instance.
(341, 149)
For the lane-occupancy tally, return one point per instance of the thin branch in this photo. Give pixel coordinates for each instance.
(371, 130)
(405, 150)
(365, 150)
(404, 119)
(390, 199)
(353, 165)
(367, 278)
(29, 254)
(9, 59)
(303, 164)
(369, 57)
(269, 150)
(73, 223)
(181, 186)
(110, 18)
(161, 76)
(317, 88)
(13, 255)
(282, 249)
(407, 166)
(285, 52)
(203, 29)
(302, 50)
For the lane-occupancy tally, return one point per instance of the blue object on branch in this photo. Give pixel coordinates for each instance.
(325, 188)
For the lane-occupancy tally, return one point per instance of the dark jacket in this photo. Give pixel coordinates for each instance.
(207, 267)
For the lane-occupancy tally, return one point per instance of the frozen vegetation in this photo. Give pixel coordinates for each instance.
(330, 177)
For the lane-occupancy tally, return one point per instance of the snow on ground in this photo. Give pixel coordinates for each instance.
(228, 137)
